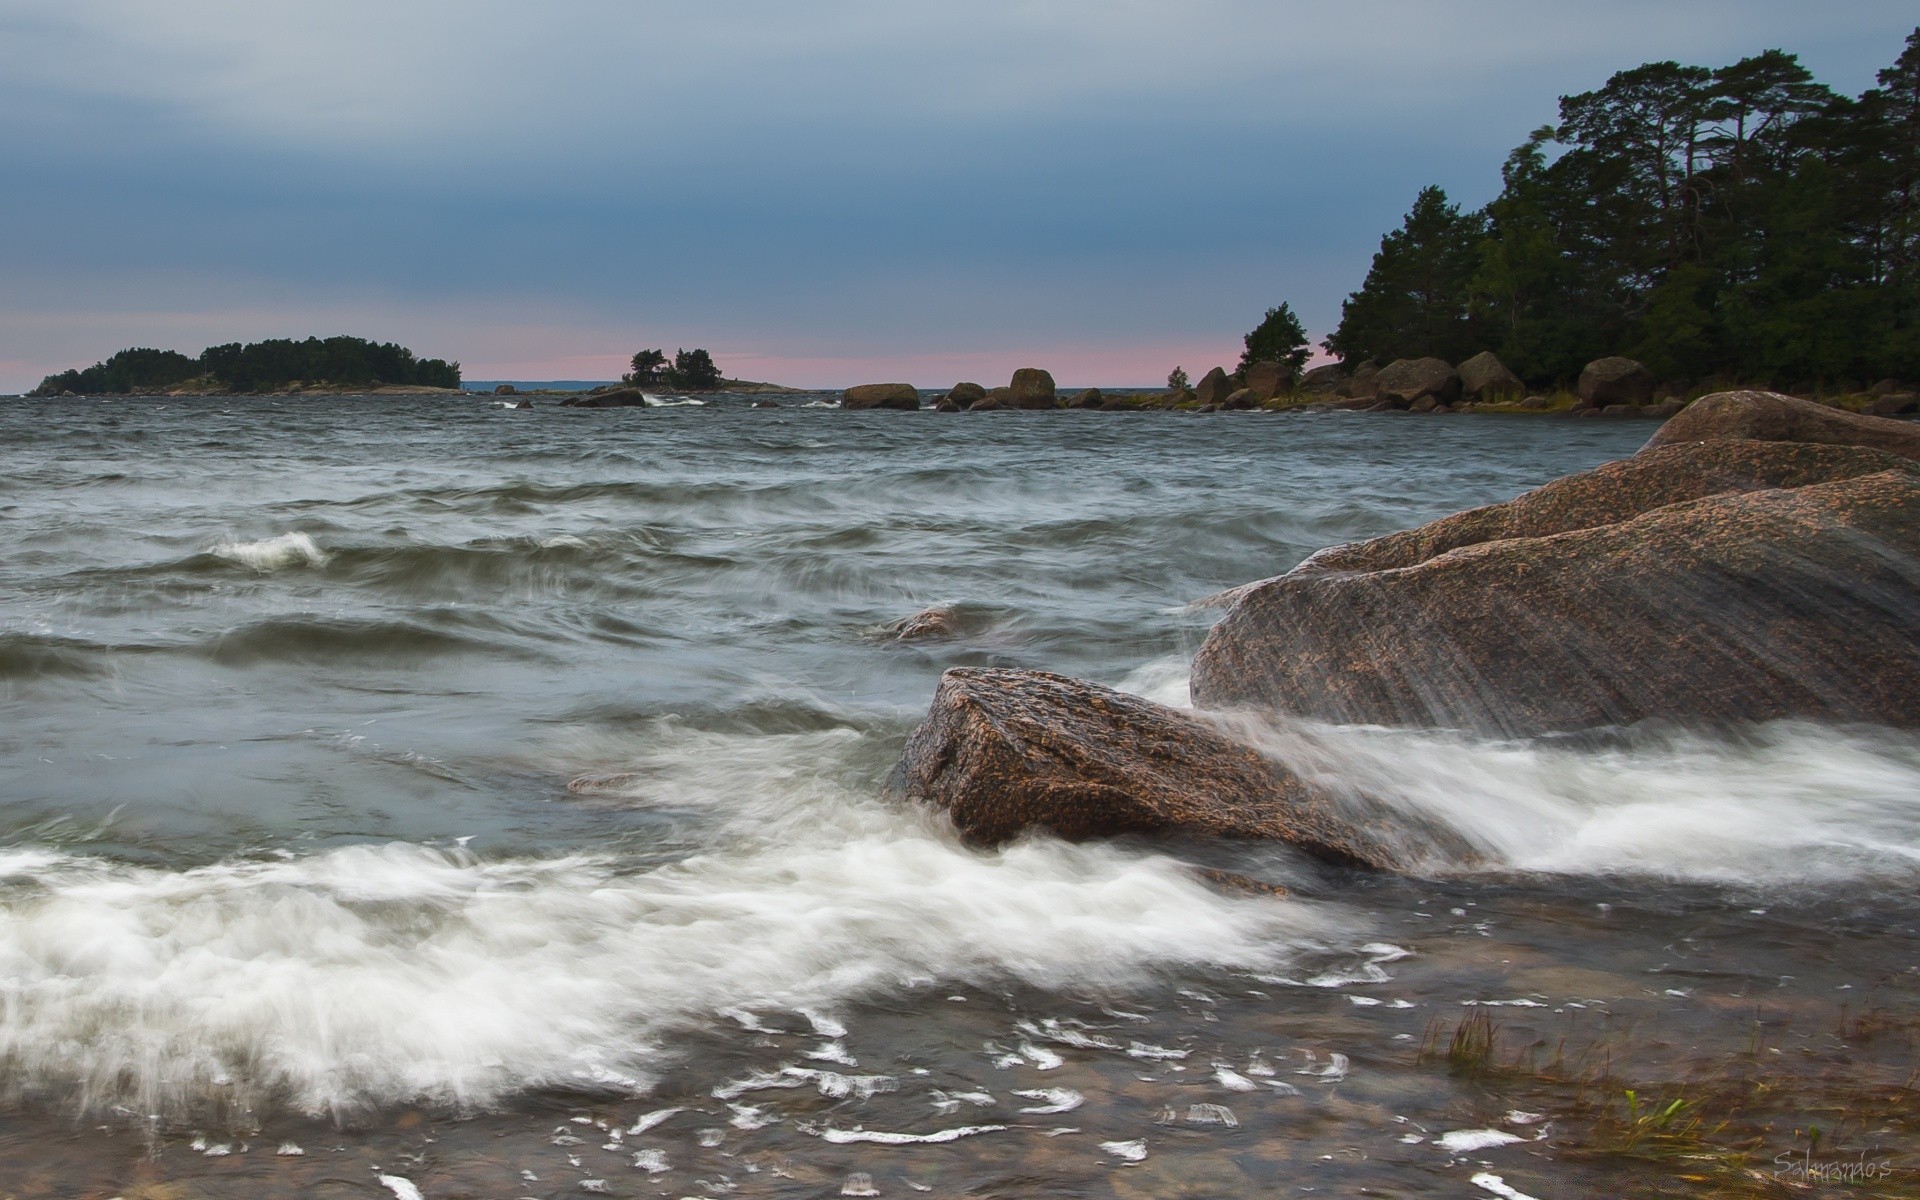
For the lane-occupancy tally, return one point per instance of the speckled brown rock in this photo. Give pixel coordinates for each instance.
(1407, 381)
(1771, 417)
(1745, 606)
(928, 623)
(1612, 492)
(1005, 752)
(880, 395)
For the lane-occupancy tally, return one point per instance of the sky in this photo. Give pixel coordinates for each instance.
(819, 192)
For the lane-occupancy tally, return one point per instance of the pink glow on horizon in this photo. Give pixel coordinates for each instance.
(1131, 365)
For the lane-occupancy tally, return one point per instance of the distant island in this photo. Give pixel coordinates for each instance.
(335, 364)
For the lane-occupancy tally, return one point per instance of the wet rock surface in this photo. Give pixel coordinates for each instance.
(1771, 417)
(1005, 752)
(881, 395)
(1616, 491)
(1746, 606)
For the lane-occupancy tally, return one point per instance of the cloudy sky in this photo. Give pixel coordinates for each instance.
(818, 192)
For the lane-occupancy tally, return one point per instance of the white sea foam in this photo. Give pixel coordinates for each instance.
(1781, 803)
(272, 554)
(377, 974)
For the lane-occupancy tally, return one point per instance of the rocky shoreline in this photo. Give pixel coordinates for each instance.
(1759, 559)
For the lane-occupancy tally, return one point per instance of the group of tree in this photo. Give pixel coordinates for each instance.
(1744, 222)
(690, 370)
(259, 366)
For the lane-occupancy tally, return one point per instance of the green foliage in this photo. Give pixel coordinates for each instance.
(647, 367)
(1741, 222)
(1279, 338)
(1414, 302)
(336, 361)
(1177, 380)
(693, 370)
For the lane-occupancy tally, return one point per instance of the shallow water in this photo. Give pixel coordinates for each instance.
(294, 691)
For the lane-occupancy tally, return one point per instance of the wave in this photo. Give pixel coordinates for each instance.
(378, 975)
(1770, 807)
(325, 640)
(272, 554)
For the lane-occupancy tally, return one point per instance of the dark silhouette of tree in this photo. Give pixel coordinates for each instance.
(334, 362)
(693, 370)
(647, 366)
(1278, 338)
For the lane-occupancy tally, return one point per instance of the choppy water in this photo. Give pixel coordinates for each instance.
(293, 691)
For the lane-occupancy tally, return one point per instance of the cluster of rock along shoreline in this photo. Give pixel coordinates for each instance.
(1758, 559)
(1608, 387)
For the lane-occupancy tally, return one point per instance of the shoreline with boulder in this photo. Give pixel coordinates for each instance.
(1758, 559)
(1611, 387)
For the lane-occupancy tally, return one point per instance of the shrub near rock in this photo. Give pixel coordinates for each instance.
(1485, 377)
(881, 395)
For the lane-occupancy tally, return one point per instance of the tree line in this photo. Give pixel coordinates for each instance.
(1737, 223)
(691, 370)
(257, 366)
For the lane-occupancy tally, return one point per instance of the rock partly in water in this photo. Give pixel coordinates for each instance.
(1033, 388)
(505, 389)
(927, 623)
(617, 398)
(901, 396)
(1795, 601)
(964, 394)
(1409, 380)
(1614, 381)
(1485, 377)
(1091, 398)
(1006, 752)
(1213, 387)
(1769, 416)
(1240, 400)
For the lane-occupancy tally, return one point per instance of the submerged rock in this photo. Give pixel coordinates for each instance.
(1005, 752)
(1595, 601)
(928, 623)
(1771, 417)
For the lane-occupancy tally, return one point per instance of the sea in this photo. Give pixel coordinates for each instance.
(423, 797)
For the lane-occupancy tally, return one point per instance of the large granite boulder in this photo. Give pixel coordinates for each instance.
(881, 395)
(1091, 398)
(1608, 494)
(1485, 377)
(1005, 752)
(1267, 379)
(1326, 379)
(1408, 380)
(1364, 382)
(1213, 387)
(964, 394)
(1033, 388)
(1793, 601)
(1769, 416)
(615, 398)
(1614, 381)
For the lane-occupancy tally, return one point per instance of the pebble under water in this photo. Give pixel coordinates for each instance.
(421, 797)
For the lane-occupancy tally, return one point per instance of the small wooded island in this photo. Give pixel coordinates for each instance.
(279, 364)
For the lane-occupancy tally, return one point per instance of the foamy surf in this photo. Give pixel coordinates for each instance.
(383, 974)
(272, 554)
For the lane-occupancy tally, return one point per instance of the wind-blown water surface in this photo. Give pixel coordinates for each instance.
(294, 691)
